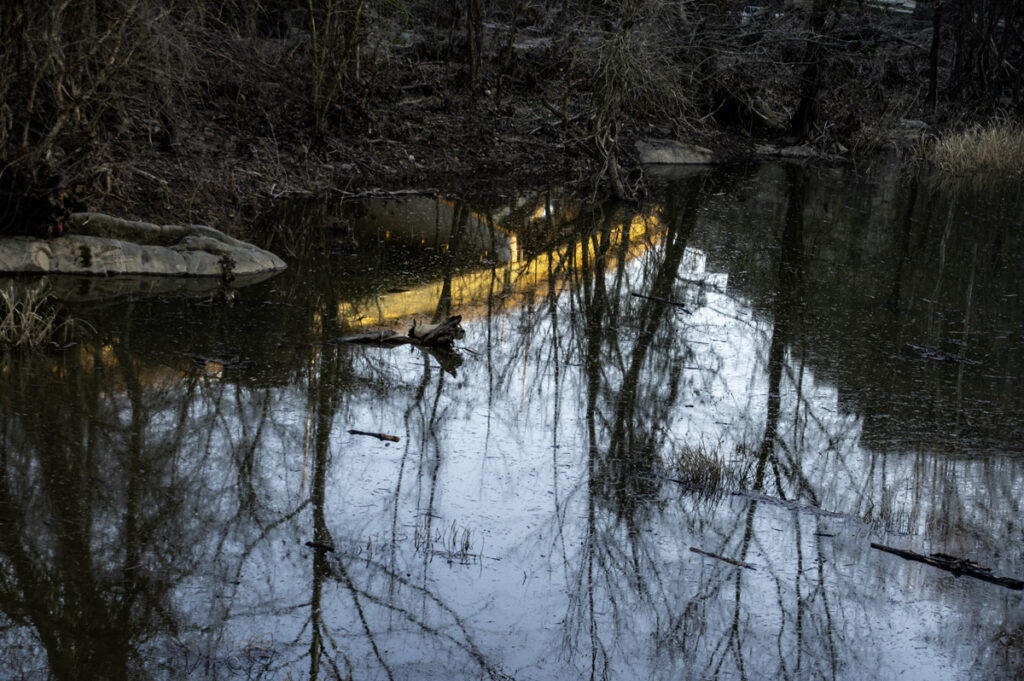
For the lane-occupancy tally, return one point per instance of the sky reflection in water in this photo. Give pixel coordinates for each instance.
(536, 518)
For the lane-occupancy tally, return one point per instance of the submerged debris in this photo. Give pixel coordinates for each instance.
(372, 338)
(937, 355)
(442, 335)
(958, 566)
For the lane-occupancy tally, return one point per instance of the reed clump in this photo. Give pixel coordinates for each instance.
(997, 146)
(31, 319)
(706, 468)
(452, 543)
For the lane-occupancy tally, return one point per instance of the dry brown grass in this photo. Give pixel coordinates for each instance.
(30, 320)
(997, 146)
(706, 468)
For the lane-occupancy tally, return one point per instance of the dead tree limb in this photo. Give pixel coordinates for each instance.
(379, 436)
(387, 337)
(681, 306)
(958, 566)
(441, 335)
(937, 354)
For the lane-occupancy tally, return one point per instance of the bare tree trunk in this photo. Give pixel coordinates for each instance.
(475, 38)
(933, 58)
(807, 111)
(517, 8)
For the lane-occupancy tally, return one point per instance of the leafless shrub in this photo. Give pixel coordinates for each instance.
(75, 75)
(335, 28)
(627, 69)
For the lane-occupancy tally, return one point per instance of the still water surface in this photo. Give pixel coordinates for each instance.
(163, 480)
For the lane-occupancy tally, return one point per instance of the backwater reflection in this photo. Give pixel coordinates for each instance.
(180, 496)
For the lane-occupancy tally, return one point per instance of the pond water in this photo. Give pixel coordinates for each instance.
(778, 366)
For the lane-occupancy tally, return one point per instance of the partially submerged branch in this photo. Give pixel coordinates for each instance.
(958, 566)
(442, 336)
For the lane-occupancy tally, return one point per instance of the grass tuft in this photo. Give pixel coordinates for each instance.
(30, 320)
(705, 468)
(452, 543)
(997, 146)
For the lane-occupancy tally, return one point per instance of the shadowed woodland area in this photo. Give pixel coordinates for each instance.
(199, 110)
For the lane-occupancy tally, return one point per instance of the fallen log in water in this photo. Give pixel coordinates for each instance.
(438, 335)
(958, 566)
(386, 337)
(441, 335)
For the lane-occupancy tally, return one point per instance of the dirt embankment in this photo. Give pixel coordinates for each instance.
(187, 114)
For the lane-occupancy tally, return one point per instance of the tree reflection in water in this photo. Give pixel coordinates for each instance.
(530, 523)
(93, 498)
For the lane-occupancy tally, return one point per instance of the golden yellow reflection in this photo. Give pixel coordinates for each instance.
(470, 291)
(213, 370)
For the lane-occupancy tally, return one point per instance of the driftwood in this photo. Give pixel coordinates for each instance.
(681, 306)
(438, 335)
(379, 436)
(958, 566)
(937, 355)
(441, 335)
(373, 338)
(730, 561)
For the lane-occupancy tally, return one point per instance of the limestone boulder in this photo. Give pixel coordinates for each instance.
(99, 244)
(670, 152)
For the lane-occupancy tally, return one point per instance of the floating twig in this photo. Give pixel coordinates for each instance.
(730, 561)
(319, 546)
(681, 306)
(937, 355)
(379, 436)
(958, 566)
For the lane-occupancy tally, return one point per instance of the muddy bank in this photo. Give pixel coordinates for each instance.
(202, 114)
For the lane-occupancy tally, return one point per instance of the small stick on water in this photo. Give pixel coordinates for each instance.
(730, 561)
(379, 436)
(319, 546)
(681, 306)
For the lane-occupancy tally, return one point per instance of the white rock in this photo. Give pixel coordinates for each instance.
(103, 245)
(651, 152)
